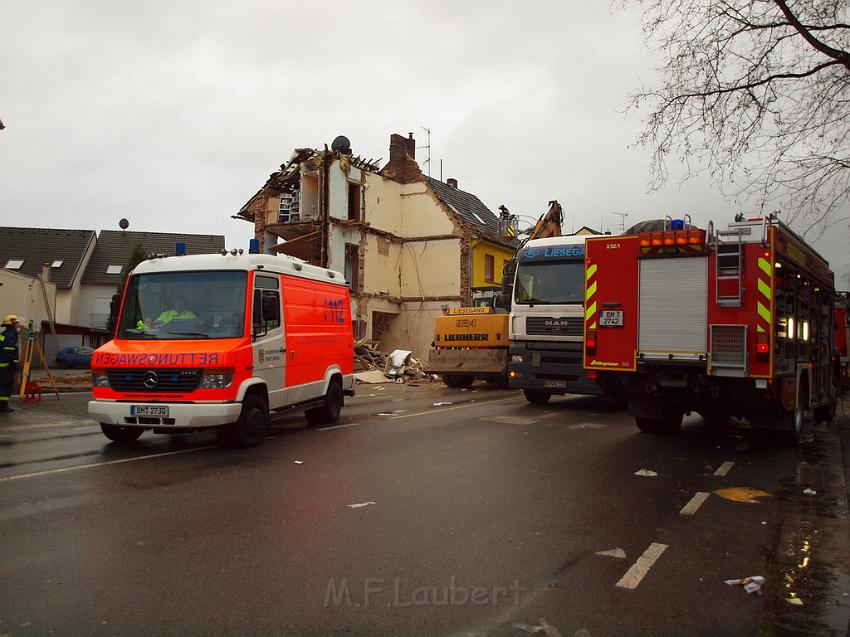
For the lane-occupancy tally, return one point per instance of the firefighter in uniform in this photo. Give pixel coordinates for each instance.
(8, 360)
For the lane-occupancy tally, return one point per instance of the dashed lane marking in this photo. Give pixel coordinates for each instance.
(641, 567)
(724, 468)
(696, 502)
(102, 464)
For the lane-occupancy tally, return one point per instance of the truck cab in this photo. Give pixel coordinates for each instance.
(547, 320)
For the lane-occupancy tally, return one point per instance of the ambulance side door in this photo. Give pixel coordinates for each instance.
(267, 331)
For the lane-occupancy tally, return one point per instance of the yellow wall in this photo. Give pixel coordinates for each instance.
(499, 254)
(431, 268)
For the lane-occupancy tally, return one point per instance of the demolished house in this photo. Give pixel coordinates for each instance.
(409, 246)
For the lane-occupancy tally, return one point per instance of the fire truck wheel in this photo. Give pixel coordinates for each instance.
(121, 434)
(253, 423)
(826, 413)
(329, 412)
(537, 396)
(667, 425)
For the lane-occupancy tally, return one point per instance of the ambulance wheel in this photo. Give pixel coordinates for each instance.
(537, 396)
(667, 425)
(253, 423)
(121, 434)
(329, 412)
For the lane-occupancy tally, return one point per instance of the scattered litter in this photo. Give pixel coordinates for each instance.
(619, 553)
(796, 601)
(646, 473)
(545, 629)
(437, 404)
(299, 462)
(809, 492)
(763, 523)
(386, 413)
(742, 494)
(360, 504)
(751, 584)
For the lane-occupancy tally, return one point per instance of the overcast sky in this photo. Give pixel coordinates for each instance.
(172, 114)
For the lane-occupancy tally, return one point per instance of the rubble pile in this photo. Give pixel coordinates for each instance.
(400, 366)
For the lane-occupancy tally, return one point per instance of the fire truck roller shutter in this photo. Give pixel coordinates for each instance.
(673, 308)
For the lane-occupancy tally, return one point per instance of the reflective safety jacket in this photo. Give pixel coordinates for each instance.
(8, 351)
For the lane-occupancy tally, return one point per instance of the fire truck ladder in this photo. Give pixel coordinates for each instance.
(730, 260)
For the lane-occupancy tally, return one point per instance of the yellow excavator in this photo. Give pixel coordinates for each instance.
(472, 342)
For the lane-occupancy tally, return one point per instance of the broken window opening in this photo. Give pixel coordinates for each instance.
(353, 201)
(352, 266)
(489, 268)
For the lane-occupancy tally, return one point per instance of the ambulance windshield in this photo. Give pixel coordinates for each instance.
(549, 282)
(184, 305)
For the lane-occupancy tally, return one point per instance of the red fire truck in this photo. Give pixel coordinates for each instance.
(737, 322)
(842, 336)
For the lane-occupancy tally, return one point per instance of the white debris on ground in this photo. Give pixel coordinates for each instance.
(646, 473)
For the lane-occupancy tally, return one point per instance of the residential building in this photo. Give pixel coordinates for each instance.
(410, 246)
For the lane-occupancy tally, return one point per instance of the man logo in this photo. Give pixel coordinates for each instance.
(150, 380)
(530, 253)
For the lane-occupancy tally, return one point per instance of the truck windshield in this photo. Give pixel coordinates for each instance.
(550, 283)
(184, 305)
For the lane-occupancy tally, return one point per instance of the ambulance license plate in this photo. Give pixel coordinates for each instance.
(611, 318)
(153, 411)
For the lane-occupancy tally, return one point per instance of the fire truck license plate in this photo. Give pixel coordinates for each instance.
(611, 318)
(156, 411)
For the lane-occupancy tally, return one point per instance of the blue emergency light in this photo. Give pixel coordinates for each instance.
(677, 224)
(254, 246)
(180, 249)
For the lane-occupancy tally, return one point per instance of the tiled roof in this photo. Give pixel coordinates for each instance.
(468, 207)
(115, 248)
(37, 246)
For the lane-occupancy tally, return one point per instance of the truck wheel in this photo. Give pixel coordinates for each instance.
(456, 381)
(537, 396)
(825, 413)
(795, 420)
(329, 412)
(667, 425)
(121, 434)
(253, 423)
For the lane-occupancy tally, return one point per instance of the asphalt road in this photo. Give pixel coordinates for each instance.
(424, 511)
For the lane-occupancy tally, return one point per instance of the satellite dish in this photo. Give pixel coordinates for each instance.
(341, 145)
(123, 224)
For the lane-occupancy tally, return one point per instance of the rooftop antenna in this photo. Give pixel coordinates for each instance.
(622, 216)
(428, 148)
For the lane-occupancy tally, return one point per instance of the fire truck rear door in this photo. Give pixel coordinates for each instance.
(673, 308)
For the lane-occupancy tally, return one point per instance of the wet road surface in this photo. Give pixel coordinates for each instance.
(483, 516)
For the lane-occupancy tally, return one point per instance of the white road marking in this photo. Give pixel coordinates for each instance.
(351, 424)
(511, 420)
(102, 464)
(440, 411)
(619, 553)
(641, 567)
(360, 504)
(696, 502)
(51, 425)
(724, 468)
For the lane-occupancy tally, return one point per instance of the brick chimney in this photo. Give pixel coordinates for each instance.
(451, 181)
(402, 166)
